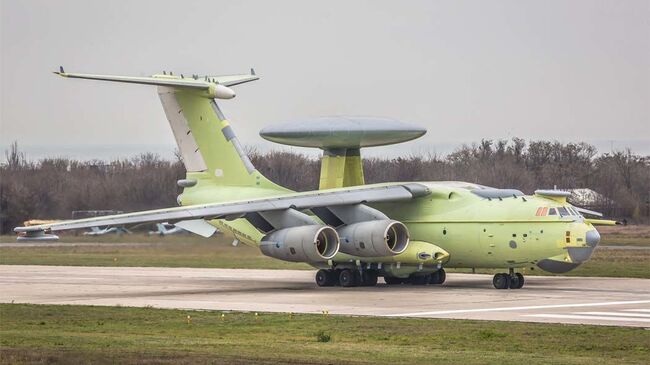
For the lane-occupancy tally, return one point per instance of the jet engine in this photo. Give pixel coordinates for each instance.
(312, 243)
(374, 238)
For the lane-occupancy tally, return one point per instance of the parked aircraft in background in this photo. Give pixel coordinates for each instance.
(96, 231)
(405, 232)
(166, 229)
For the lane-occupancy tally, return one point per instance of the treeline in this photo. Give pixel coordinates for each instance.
(53, 188)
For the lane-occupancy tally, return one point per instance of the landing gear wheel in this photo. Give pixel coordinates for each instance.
(392, 280)
(516, 281)
(501, 281)
(369, 278)
(420, 279)
(347, 278)
(438, 277)
(325, 277)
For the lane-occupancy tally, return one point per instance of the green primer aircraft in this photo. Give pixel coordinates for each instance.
(405, 232)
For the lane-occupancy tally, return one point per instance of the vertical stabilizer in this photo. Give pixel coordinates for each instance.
(207, 142)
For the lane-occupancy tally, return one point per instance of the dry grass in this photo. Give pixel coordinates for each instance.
(632, 235)
(151, 251)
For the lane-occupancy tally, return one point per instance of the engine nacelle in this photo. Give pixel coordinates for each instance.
(374, 238)
(314, 243)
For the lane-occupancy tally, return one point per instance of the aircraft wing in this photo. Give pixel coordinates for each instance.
(231, 210)
(186, 82)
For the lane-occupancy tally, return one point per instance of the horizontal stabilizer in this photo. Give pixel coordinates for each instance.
(232, 80)
(194, 82)
(153, 80)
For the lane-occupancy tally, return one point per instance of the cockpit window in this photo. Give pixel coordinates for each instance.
(563, 211)
(552, 211)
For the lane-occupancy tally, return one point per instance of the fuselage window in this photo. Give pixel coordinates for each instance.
(552, 211)
(563, 211)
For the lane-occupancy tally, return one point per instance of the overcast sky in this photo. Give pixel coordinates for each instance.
(567, 70)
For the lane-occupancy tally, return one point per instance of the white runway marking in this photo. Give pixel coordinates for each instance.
(618, 314)
(599, 318)
(501, 309)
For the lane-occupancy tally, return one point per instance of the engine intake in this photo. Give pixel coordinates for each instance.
(313, 243)
(374, 238)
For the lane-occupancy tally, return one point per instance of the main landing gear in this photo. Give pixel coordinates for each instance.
(346, 277)
(353, 277)
(511, 280)
(435, 278)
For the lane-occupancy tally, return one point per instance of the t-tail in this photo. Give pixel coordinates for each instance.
(207, 142)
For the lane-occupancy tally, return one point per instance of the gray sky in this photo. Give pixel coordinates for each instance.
(567, 70)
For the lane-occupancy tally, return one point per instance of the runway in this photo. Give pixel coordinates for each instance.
(599, 301)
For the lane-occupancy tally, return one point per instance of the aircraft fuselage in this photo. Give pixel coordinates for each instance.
(453, 228)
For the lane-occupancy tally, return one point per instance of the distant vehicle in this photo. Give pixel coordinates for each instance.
(166, 229)
(96, 231)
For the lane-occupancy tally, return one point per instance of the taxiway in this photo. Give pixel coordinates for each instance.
(600, 301)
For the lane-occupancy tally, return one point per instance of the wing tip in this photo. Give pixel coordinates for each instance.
(60, 72)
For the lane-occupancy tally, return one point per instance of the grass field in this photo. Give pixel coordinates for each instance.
(625, 235)
(140, 250)
(217, 252)
(82, 334)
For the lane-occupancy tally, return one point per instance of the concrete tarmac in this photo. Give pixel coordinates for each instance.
(579, 300)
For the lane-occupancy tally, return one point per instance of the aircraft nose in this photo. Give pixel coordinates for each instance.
(593, 238)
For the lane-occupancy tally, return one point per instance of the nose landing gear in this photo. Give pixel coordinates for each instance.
(508, 281)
